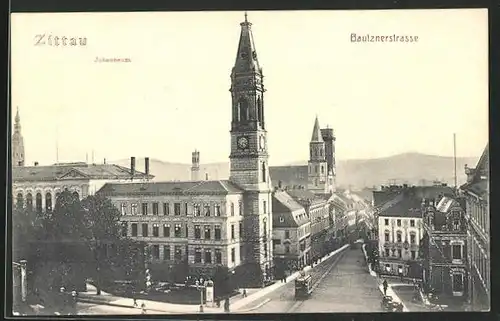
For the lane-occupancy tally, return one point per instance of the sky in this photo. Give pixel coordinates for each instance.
(173, 96)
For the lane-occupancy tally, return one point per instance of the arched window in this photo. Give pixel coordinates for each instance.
(322, 169)
(315, 152)
(260, 110)
(243, 109)
(29, 201)
(75, 194)
(321, 152)
(387, 239)
(19, 200)
(263, 172)
(38, 202)
(48, 202)
(57, 196)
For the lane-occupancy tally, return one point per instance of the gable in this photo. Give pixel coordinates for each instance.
(73, 174)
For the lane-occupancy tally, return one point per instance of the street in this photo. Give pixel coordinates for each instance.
(341, 284)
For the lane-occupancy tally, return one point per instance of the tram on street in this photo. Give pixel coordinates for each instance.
(303, 286)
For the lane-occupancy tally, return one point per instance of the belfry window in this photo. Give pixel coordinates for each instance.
(263, 172)
(243, 109)
(260, 110)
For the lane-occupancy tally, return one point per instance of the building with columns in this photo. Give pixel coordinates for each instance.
(477, 215)
(38, 186)
(241, 207)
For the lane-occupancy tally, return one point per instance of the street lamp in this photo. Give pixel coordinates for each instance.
(200, 285)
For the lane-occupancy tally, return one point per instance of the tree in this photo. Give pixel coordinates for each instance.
(221, 279)
(102, 221)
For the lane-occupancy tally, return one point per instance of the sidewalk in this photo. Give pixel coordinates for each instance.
(390, 291)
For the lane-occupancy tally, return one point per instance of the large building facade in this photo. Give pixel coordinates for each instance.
(476, 193)
(444, 251)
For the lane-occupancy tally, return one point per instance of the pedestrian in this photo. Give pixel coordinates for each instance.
(385, 285)
(244, 293)
(143, 307)
(135, 303)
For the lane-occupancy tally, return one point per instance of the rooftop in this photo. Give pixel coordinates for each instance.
(73, 171)
(218, 187)
(287, 212)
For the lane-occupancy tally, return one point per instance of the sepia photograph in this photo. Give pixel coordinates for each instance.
(249, 162)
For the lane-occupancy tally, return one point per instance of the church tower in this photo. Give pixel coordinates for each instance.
(195, 166)
(249, 155)
(318, 166)
(17, 143)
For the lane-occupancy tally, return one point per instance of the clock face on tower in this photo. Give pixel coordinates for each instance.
(242, 142)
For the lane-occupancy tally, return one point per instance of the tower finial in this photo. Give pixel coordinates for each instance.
(246, 16)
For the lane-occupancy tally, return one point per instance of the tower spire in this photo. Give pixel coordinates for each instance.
(246, 58)
(316, 134)
(17, 142)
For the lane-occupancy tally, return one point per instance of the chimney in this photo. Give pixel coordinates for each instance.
(206, 176)
(132, 166)
(146, 165)
(36, 163)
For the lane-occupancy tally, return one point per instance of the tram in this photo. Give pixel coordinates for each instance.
(303, 286)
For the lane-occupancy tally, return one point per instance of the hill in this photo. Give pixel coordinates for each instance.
(410, 168)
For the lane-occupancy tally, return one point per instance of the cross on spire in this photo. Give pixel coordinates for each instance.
(246, 16)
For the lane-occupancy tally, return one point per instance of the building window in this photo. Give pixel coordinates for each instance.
(217, 210)
(386, 236)
(156, 230)
(197, 210)
(38, 202)
(232, 231)
(166, 252)
(232, 209)
(400, 253)
(124, 209)
(264, 172)
(134, 229)
(240, 230)
(29, 201)
(144, 208)
(264, 228)
(156, 252)
(48, 202)
(155, 208)
(265, 206)
(197, 255)
(208, 233)
(412, 223)
(240, 208)
(412, 238)
(287, 248)
(207, 210)
(186, 208)
(166, 230)
(177, 230)
(265, 250)
(177, 209)
(217, 233)
(124, 229)
(166, 209)
(208, 256)
(178, 252)
(287, 234)
(197, 232)
(399, 237)
(456, 252)
(398, 222)
(458, 283)
(144, 229)
(218, 256)
(134, 209)
(413, 255)
(282, 219)
(233, 255)
(19, 200)
(387, 252)
(386, 221)
(276, 242)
